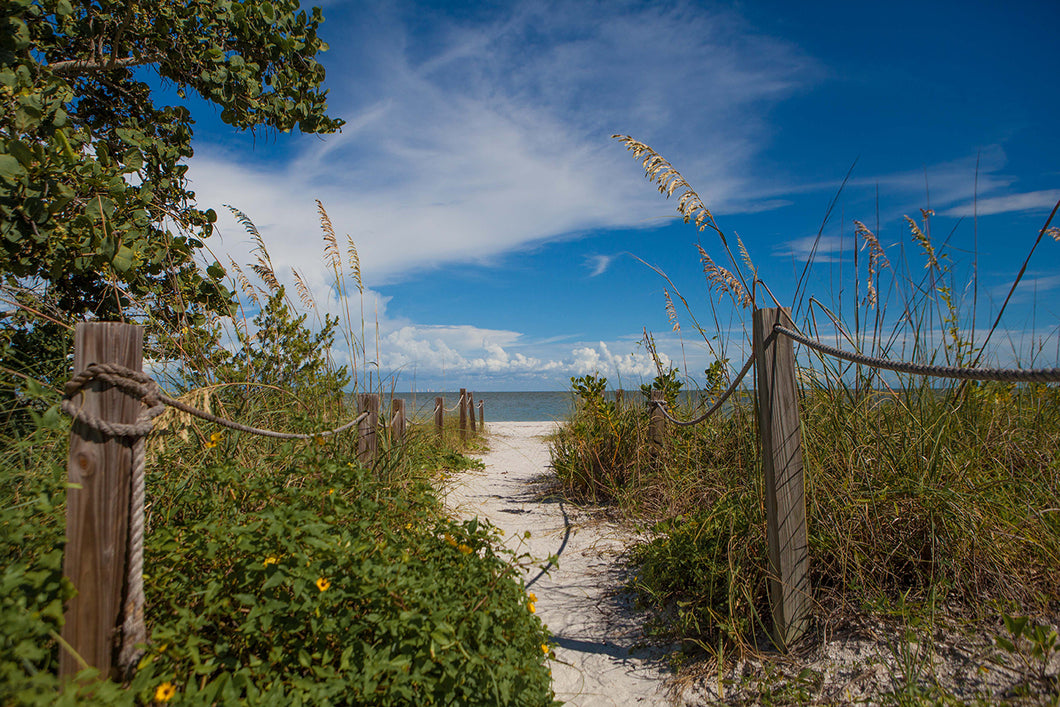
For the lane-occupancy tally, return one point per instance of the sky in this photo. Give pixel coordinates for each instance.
(507, 242)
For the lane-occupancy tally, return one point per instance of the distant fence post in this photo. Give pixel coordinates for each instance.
(463, 414)
(778, 424)
(618, 398)
(97, 501)
(482, 415)
(367, 436)
(439, 412)
(397, 419)
(658, 421)
(471, 412)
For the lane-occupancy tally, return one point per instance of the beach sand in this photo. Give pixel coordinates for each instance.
(601, 655)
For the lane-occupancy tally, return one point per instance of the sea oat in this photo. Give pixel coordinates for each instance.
(331, 243)
(722, 281)
(669, 180)
(303, 290)
(355, 263)
(924, 242)
(671, 313)
(244, 282)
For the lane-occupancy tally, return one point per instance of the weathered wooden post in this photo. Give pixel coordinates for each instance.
(397, 419)
(439, 412)
(367, 429)
(618, 399)
(482, 415)
(658, 421)
(471, 412)
(463, 415)
(97, 501)
(778, 425)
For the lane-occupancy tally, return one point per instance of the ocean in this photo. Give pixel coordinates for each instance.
(499, 407)
(525, 407)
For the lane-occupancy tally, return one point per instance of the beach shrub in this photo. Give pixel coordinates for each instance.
(312, 582)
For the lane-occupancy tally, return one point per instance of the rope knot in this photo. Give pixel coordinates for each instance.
(135, 383)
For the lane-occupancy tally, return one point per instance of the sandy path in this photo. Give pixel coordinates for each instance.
(600, 657)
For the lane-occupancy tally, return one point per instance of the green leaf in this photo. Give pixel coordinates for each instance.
(10, 169)
(123, 259)
(1016, 625)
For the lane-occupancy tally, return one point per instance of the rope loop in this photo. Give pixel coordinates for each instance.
(137, 384)
(662, 405)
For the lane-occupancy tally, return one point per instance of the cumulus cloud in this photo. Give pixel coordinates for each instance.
(599, 360)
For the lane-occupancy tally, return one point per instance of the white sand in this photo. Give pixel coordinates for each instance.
(600, 657)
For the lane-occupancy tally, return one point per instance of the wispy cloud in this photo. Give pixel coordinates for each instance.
(468, 140)
(599, 264)
(829, 249)
(1028, 201)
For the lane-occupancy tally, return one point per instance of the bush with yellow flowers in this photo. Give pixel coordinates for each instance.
(313, 582)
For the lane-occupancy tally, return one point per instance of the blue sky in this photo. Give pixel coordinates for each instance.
(499, 225)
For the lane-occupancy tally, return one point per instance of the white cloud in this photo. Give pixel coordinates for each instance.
(469, 139)
(1028, 201)
(829, 249)
(599, 360)
(496, 136)
(599, 264)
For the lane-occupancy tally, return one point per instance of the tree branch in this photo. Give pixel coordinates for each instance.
(84, 66)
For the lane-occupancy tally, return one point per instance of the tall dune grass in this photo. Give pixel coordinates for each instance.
(921, 492)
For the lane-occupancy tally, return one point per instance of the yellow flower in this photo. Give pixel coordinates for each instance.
(211, 445)
(320, 441)
(449, 539)
(271, 561)
(331, 491)
(531, 608)
(216, 437)
(464, 549)
(165, 692)
(532, 597)
(323, 584)
(544, 648)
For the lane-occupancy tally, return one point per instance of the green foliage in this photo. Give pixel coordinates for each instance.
(668, 383)
(590, 391)
(92, 171)
(315, 596)
(701, 572)
(276, 572)
(301, 578)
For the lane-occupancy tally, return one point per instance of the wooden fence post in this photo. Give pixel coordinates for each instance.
(482, 415)
(618, 398)
(471, 412)
(367, 429)
(778, 425)
(463, 415)
(397, 419)
(439, 412)
(658, 421)
(97, 508)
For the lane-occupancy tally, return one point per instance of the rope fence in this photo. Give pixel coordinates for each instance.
(772, 354)
(1040, 375)
(662, 404)
(105, 537)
